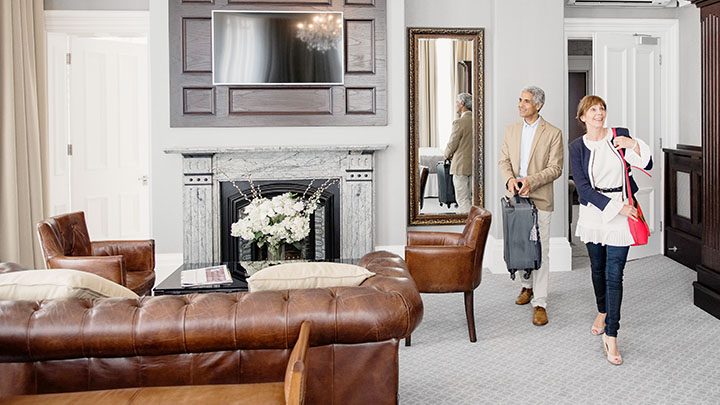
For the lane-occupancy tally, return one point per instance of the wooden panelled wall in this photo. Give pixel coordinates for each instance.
(195, 102)
(707, 288)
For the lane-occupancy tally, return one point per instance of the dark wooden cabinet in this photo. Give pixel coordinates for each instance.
(683, 193)
(707, 288)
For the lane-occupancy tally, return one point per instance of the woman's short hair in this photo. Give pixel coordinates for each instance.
(466, 99)
(585, 104)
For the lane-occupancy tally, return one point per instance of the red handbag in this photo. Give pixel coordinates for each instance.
(639, 228)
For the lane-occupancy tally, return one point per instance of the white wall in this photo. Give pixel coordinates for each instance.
(165, 173)
(523, 45)
(690, 74)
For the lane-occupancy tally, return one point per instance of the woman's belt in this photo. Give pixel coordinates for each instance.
(609, 190)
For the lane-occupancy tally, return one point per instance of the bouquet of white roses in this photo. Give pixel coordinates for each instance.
(283, 219)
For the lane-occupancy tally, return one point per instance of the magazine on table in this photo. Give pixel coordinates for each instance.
(205, 276)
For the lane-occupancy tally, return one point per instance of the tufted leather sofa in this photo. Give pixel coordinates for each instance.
(66, 245)
(82, 345)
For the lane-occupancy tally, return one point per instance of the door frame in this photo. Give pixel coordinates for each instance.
(668, 32)
(60, 25)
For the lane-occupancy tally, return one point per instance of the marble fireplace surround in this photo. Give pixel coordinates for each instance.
(352, 164)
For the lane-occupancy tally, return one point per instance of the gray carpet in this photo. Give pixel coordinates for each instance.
(670, 347)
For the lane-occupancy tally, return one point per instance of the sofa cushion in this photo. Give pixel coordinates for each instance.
(58, 284)
(308, 275)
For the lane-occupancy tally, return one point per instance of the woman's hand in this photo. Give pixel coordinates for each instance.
(623, 142)
(630, 212)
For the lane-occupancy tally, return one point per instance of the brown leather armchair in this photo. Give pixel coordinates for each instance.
(66, 244)
(445, 262)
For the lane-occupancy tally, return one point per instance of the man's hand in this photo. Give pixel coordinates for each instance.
(525, 189)
(512, 185)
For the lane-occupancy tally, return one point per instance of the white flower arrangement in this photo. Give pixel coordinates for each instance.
(283, 219)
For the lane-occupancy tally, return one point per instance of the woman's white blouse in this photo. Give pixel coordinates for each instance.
(605, 170)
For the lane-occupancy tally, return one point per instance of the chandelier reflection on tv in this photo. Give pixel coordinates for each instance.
(321, 33)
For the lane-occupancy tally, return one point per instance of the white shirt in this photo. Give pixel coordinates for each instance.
(528, 133)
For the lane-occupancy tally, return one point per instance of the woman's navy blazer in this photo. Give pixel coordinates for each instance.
(580, 162)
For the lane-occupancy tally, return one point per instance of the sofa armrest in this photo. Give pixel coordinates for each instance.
(139, 254)
(109, 267)
(419, 238)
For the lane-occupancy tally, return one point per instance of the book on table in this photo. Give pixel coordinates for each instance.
(205, 276)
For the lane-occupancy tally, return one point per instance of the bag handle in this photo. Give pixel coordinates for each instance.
(627, 176)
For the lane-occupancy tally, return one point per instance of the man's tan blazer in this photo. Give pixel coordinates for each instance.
(545, 165)
(460, 145)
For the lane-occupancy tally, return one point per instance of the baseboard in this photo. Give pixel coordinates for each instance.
(560, 254)
(165, 264)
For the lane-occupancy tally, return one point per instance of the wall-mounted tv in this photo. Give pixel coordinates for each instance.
(277, 48)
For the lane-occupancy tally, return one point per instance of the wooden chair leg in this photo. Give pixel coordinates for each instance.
(407, 340)
(470, 315)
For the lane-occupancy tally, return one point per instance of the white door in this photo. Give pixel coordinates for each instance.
(628, 78)
(108, 132)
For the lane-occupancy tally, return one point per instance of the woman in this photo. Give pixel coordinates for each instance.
(600, 179)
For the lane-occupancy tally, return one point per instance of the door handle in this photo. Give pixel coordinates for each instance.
(143, 180)
(673, 249)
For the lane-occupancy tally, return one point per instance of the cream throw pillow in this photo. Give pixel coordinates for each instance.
(31, 285)
(308, 275)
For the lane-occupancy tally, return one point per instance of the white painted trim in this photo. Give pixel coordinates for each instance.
(560, 254)
(123, 23)
(668, 31)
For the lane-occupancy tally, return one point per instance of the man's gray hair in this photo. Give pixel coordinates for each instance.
(466, 99)
(538, 95)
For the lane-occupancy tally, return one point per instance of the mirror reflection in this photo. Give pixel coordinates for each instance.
(444, 126)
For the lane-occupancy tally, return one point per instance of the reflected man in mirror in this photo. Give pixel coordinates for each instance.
(459, 149)
(530, 160)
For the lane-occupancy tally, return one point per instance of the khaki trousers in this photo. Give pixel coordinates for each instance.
(463, 192)
(540, 278)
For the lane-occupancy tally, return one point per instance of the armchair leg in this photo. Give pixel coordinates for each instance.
(470, 314)
(407, 340)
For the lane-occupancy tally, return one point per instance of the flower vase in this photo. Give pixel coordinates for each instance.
(275, 252)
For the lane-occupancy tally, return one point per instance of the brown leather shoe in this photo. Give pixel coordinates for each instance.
(524, 297)
(540, 316)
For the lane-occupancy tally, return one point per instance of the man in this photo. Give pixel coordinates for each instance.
(530, 160)
(459, 149)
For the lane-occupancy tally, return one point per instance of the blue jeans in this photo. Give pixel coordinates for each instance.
(607, 264)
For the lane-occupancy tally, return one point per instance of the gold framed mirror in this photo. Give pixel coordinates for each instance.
(446, 78)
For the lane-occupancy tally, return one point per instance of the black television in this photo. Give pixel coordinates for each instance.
(277, 48)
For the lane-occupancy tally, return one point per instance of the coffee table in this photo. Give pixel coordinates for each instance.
(171, 285)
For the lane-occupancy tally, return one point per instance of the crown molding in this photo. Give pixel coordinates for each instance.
(97, 22)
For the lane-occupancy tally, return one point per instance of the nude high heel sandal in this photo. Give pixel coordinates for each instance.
(614, 360)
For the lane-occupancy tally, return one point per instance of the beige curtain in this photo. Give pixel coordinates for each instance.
(462, 51)
(23, 130)
(427, 93)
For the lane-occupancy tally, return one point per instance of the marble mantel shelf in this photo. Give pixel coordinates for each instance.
(280, 148)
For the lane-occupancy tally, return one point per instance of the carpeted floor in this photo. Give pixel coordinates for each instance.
(670, 347)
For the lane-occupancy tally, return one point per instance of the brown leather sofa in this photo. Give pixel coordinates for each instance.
(82, 345)
(66, 245)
